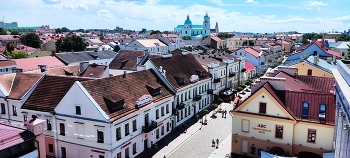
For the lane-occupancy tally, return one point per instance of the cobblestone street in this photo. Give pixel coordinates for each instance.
(199, 145)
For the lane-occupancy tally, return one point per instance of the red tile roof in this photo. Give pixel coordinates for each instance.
(129, 88)
(4, 63)
(50, 92)
(248, 66)
(11, 136)
(22, 83)
(179, 66)
(28, 64)
(217, 39)
(95, 70)
(126, 59)
(251, 51)
(6, 81)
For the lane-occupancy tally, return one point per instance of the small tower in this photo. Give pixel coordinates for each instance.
(187, 27)
(206, 24)
(216, 27)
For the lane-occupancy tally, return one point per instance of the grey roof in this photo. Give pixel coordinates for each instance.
(334, 44)
(321, 63)
(74, 57)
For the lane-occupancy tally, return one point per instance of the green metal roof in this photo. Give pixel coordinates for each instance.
(22, 28)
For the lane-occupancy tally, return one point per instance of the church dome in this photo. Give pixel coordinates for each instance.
(188, 21)
(206, 15)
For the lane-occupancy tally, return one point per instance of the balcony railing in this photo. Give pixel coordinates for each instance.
(232, 74)
(181, 106)
(149, 128)
(217, 80)
(197, 98)
(210, 91)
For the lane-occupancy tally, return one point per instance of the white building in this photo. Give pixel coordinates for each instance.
(185, 76)
(154, 46)
(173, 41)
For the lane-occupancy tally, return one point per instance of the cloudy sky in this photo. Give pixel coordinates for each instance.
(232, 15)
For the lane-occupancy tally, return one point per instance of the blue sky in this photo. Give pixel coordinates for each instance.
(232, 15)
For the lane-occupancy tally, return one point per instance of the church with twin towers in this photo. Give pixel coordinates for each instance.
(188, 29)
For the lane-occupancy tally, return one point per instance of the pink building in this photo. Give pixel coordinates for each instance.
(29, 64)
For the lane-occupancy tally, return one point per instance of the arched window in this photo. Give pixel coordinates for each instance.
(205, 31)
(309, 72)
(185, 32)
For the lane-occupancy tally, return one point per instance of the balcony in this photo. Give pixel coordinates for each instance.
(210, 91)
(197, 98)
(243, 70)
(232, 74)
(217, 80)
(151, 127)
(175, 112)
(181, 106)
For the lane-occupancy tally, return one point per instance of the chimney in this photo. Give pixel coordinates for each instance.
(53, 52)
(334, 58)
(314, 40)
(42, 68)
(125, 74)
(91, 75)
(83, 66)
(315, 59)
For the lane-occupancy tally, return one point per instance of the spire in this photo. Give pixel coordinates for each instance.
(188, 17)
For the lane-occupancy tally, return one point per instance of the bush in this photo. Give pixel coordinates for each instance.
(206, 111)
(214, 105)
(242, 86)
(239, 89)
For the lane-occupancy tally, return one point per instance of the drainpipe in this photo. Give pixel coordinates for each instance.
(55, 136)
(37, 143)
(8, 109)
(111, 148)
(226, 75)
(239, 70)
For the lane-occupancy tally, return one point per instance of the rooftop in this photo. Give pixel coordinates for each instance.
(76, 57)
(4, 63)
(150, 42)
(11, 136)
(28, 64)
(126, 59)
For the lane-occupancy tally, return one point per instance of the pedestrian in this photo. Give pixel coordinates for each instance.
(164, 156)
(213, 143)
(217, 141)
(197, 116)
(185, 128)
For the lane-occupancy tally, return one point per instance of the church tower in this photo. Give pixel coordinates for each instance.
(217, 28)
(206, 24)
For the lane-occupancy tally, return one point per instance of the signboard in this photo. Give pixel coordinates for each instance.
(261, 128)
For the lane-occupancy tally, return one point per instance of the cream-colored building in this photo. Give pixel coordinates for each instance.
(235, 42)
(285, 116)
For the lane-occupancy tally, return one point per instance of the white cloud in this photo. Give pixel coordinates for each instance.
(77, 7)
(217, 2)
(315, 3)
(51, 1)
(105, 15)
(249, 1)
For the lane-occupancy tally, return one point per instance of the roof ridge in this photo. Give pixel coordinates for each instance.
(13, 80)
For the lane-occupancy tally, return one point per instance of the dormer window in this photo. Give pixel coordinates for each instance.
(200, 73)
(180, 80)
(114, 102)
(153, 89)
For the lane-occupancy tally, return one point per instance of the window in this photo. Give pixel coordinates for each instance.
(167, 126)
(167, 108)
(162, 111)
(25, 118)
(157, 133)
(62, 129)
(63, 152)
(118, 134)
(48, 125)
(101, 156)
(279, 131)
(185, 113)
(77, 110)
(134, 128)
(51, 148)
(245, 125)
(14, 110)
(162, 130)
(189, 110)
(100, 138)
(127, 152)
(127, 129)
(309, 72)
(252, 149)
(119, 155)
(322, 114)
(315, 53)
(311, 136)
(146, 119)
(134, 148)
(305, 110)
(3, 110)
(157, 114)
(262, 108)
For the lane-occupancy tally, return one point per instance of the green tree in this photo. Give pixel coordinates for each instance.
(15, 33)
(10, 47)
(80, 30)
(67, 44)
(310, 36)
(204, 37)
(116, 48)
(142, 31)
(58, 31)
(64, 29)
(155, 32)
(2, 31)
(187, 37)
(31, 40)
(223, 35)
(15, 55)
(347, 57)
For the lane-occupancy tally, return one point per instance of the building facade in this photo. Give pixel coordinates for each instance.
(153, 46)
(342, 88)
(194, 30)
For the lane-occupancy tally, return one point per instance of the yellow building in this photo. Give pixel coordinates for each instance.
(313, 66)
(285, 115)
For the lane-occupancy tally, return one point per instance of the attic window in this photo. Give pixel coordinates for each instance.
(68, 73)
(153, 89)
(114, 102)
(200, 73)
(180, 80)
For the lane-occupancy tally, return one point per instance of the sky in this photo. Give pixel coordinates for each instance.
(262, 16)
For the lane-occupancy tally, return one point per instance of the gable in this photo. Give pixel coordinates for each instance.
(273, 107)
(310, 50)
(78, 96)
(135, 44)
(303, 69)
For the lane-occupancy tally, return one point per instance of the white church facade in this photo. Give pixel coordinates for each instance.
(196, 30)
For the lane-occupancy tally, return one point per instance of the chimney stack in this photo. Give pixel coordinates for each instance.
(125, 74)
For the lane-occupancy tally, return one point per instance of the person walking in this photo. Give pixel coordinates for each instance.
(217, 143)
(213, 143)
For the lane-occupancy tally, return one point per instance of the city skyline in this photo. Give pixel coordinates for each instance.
(241, 15)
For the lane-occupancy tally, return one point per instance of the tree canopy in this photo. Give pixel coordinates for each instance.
(31, 40)
(343, 37)
(67, 44)
(58, 30)
(116, 48)
(2, 31)
(15, 55)
(64, 29)
(248, 43)
(310, 36)
(223, 35)
(10, 47)
(155, 32)
(15, 33)
(187, 37)
(142, 31)
(347, 57)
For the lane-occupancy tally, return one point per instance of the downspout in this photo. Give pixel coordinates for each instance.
(55, 136)
(239, 71)
(111, 126)
(37, 143)
(226, 75)
(8, 109)
(293, 137)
